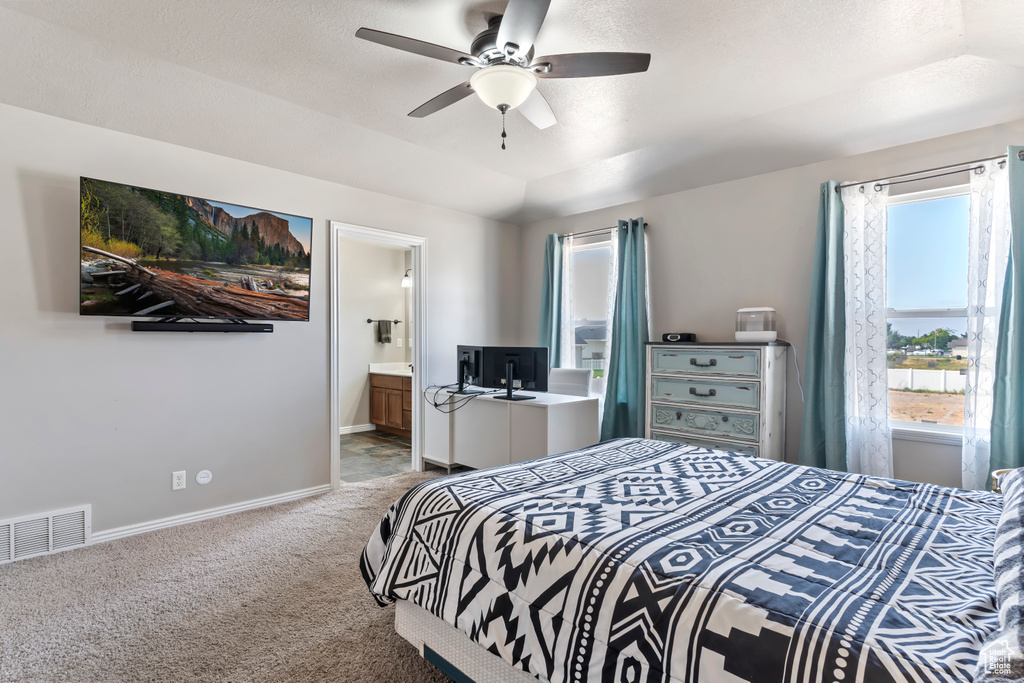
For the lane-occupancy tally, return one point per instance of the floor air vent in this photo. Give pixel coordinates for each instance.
(51, 532)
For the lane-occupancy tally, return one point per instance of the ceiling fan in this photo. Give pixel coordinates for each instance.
(507, 72)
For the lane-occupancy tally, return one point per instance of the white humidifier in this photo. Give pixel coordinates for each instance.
(756, 325)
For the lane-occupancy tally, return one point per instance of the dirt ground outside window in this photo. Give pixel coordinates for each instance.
(926, 407)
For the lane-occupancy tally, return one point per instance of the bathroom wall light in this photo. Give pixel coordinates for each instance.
(406, 280)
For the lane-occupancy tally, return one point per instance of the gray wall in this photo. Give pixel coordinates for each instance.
(370, 284)
(749, 243)
(93, 413)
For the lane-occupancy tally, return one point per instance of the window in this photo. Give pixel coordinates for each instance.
(591, 267)
(926, 318)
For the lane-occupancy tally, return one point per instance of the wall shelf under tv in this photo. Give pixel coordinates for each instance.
(178, 325)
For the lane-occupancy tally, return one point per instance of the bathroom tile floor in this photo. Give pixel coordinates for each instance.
(369, 455)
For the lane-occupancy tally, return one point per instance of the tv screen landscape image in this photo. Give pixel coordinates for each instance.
(151, 253)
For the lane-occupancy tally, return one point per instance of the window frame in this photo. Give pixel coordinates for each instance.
(595, 242)
(918, 431)
(605, 242)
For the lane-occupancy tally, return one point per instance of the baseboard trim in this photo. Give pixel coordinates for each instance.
(357, 428)
(133, 529)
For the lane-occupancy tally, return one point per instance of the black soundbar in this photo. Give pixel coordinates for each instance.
(182, 326)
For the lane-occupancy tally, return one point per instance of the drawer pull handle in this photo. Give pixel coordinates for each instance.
(711, 392)
(679, 415)
(710, 364)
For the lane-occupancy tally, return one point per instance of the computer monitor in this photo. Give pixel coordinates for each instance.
(515, 367)
(470, 363)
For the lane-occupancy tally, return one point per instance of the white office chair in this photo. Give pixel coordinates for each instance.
(569, 381)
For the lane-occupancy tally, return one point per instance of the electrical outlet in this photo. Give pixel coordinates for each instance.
(177, 480)
(398, 340)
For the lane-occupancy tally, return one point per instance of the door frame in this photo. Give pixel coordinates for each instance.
(418, 245)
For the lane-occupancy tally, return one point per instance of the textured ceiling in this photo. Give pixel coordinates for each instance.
(734, 89)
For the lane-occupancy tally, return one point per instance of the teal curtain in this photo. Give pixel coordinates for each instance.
(1008, 388)
(823, 436)
(626, 378)
(550, 332)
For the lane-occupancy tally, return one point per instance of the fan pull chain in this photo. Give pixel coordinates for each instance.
(503, 134)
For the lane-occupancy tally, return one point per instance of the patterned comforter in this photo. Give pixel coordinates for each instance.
(643, 561)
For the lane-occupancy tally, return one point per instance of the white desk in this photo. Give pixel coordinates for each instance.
(488, 431)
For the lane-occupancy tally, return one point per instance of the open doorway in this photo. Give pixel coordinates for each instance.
(376, 347)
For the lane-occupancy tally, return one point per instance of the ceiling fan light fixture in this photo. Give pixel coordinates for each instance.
(503, 85)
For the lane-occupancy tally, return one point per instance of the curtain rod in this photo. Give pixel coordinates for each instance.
(591, 232)
(968, 164)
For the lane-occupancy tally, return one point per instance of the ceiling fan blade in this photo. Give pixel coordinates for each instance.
(587, 64)
(537, 110)
(521, 24)
(447, 98)
(418, 47)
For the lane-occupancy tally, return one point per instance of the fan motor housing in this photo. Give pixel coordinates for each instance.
(485, 47)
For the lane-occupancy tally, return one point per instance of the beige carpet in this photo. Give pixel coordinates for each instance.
(272, 594)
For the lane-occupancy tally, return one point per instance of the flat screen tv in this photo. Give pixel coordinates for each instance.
(159, 254)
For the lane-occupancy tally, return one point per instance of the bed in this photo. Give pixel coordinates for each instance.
(641, 561)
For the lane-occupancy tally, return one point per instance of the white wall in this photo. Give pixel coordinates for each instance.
(749, 242)
(93, 413)
(936, 463)
(408, 328)
(371, 288)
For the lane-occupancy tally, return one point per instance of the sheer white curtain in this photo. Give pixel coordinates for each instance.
(571, 354)
(868, 438)
(613, 283)
(988, 250)
(568, 331)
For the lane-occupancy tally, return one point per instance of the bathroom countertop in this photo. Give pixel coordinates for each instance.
(394, 369)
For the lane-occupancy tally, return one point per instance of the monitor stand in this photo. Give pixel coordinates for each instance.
(509, 396)
(462, 382)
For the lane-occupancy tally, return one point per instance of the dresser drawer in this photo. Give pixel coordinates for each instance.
(697, 421)
(701, 442)
(739, 362)
(710, 392)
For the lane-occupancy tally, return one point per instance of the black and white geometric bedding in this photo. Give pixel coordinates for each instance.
(1002, 657)
(642, 561)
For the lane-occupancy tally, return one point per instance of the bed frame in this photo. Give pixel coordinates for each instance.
(451, 650)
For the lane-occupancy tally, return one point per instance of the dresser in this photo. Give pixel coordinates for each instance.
(726, 396)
